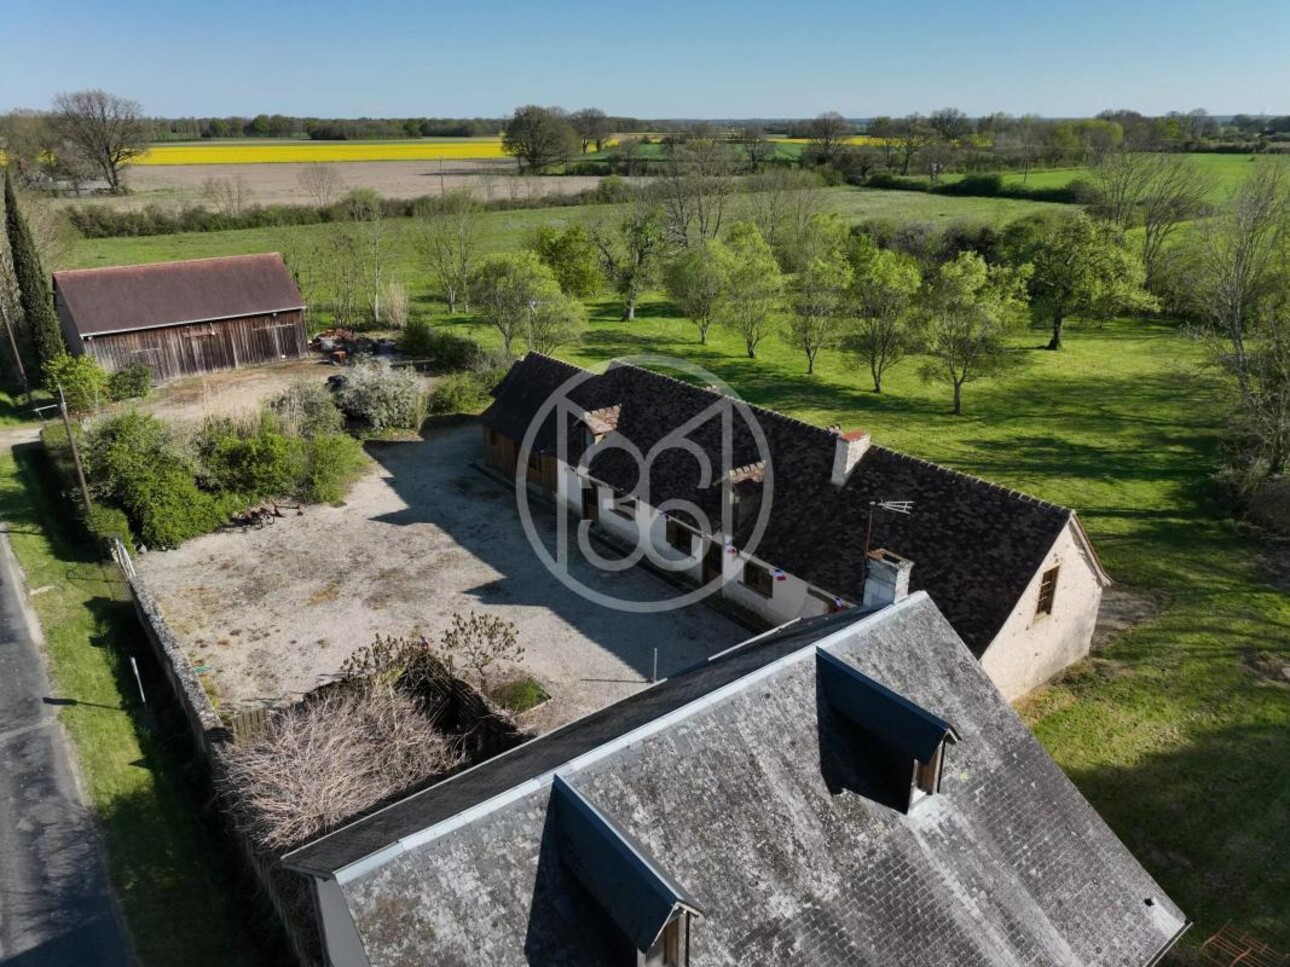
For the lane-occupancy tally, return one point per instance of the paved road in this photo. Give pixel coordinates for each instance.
(55, 903)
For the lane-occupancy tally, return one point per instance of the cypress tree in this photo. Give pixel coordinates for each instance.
(35, 295)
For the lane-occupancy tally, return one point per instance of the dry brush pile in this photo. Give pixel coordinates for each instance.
(337, 754)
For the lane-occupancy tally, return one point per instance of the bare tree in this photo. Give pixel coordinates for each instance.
(321, 182)
(483, 640)
(1120, 178)
(107, 130)
(758, 149)
(375, 238)
(448, 240)
(1177, 192)
(1240, 264)
(829, 132)
(228, 196)
(950, 124)
(912, 134)
(696, 185)
(782, 203)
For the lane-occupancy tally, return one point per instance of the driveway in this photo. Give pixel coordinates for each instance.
(270, 614)
(55, 903)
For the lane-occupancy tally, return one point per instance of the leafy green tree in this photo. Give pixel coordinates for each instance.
(695, 281)
(1083, 269)
(967, 311)
(573, 257)
(818, 307)
(885, 285)
(755, 285)
(84, 383)
(539, 137)
(35, 296)
(630, 246)
(505, 288)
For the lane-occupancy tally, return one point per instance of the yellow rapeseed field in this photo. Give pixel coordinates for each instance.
(280, 152)
(854, 139)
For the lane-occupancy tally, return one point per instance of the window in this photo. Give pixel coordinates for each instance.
(624, 505)
(492, 437)
(535, 462)
(758, 578)
(1047, 591)
(678, 536)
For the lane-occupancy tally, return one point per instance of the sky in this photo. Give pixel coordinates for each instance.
(651, 58)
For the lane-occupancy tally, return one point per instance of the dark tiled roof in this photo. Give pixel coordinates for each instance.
(975, 545)
(753, 800)
(132, 297)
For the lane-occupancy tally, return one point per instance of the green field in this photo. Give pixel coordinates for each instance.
(508, 229)
(1226, 170)
(1178, 732)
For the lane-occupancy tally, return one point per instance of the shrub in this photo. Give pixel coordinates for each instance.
(333, 461)
(308, 408)
(446, 351)
(85, 384)
(134, 462)
(520, 696)
(464, 392)
(383, 397)
(132, 383)
(261, 463)
(105, 522)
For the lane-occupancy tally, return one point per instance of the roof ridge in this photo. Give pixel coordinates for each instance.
(1011, 491)
(708, 389)
(135, 266)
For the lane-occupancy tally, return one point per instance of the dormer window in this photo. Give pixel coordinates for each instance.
(648, 909)
(678, 536)
(903, 744)
(624, 505)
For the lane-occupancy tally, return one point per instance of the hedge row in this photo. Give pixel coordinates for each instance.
(990, 185)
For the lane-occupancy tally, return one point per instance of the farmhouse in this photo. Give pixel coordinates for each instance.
(183, 318)
(849, 789)
(1015, 576)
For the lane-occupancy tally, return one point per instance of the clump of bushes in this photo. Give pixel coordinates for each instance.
(466, 392)
(84, 383)
(136, 463)
(382, 397)
(164, 486)
(131, 383)
(446, 351)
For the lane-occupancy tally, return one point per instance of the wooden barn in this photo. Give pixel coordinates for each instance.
(184, 318)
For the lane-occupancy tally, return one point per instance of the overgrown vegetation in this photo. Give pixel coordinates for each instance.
(383, 397)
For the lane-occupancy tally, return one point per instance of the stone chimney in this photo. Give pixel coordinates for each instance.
(850, 448)
(886, 579)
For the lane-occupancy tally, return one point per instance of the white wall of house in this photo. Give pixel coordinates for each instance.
(1031, 648)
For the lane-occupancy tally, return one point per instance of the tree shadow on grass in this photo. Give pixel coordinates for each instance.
(1207, 820)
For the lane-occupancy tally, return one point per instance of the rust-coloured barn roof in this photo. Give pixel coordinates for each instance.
(131, 297)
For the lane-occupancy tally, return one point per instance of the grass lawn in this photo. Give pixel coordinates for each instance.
(175, 890)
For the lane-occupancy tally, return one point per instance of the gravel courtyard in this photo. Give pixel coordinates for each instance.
(272, 613)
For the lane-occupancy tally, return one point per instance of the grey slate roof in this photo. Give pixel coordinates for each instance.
(748, 796)
(975, 545)
(129, 297)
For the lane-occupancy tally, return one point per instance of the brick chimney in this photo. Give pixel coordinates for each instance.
(886, 579)
(851, 447)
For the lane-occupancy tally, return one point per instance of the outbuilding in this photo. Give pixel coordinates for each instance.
(184, 318)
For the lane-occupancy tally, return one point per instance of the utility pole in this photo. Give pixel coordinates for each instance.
(13, 348)
(76, 451)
